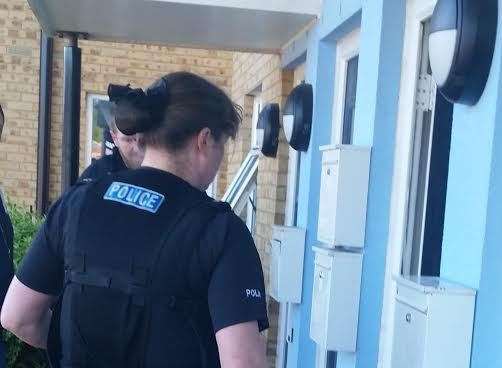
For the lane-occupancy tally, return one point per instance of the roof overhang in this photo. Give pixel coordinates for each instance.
(243, 25)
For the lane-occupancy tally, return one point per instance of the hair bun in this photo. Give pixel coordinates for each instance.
(137, 111)
(133, 109)
(130, 119)
(117, 92)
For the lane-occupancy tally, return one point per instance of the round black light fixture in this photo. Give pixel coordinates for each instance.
(267, 130)
(297, 117)
(461, 45)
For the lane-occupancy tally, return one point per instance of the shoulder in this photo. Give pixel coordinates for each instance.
(73, 195)
(228, 229)
(99, 168)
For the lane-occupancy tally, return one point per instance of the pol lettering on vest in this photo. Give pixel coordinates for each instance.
(132, 195)
(253, 293)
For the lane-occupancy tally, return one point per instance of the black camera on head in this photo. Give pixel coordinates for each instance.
(137, 111)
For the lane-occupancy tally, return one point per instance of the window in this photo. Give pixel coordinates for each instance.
(429, 174)
(246, 209)
(97, 141)
(347, 62)
(241, 194)
(350, 100)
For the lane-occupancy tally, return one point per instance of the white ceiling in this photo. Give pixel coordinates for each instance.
(254, 25)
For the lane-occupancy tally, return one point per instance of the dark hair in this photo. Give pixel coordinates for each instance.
(173, 109)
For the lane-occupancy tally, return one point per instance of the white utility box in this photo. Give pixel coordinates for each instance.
(343, 197)
(433, 323)
(335, 299)
(286, 269)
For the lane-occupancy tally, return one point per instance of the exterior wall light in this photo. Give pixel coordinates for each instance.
(297, 117)
(267, 130)
(461, 45)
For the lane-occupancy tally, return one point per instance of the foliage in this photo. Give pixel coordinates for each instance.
(26, 224)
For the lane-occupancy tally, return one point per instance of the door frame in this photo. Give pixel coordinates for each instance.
(89, 106)
(347, 48)
(417, 11)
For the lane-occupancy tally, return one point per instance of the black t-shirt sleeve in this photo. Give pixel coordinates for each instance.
(104, 166)
(97, 169)
(90, 172)
(236, 292)
(42, 268)
(6, 250)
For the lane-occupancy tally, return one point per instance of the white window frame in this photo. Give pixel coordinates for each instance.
(257, 107)
(89, 112)
(412, 255)
(243, 180)
(417, 11)
(347, 48)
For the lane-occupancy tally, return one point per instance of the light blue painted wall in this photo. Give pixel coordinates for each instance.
(335, 13)
(468, 184)
(472, 251)
(488, 322)
(379, 73)
(320, 73)
(382, 30)
(302, 352)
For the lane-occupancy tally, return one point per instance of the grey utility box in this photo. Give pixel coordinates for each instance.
(433, 323)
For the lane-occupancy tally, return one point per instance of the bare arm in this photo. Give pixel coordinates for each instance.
(26, 313)
(241, 346)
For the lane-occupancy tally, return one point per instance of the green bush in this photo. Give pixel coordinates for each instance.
(26, 224)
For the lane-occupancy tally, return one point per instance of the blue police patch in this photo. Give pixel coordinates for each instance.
(132, 195)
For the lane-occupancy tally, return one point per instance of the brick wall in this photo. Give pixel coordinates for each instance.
(102, 63)
(263, 72)
(19, 65)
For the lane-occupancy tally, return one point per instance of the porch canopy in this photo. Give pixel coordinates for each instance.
(244, 25)
(264, 26)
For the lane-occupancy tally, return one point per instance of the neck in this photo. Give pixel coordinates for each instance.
(176, 164)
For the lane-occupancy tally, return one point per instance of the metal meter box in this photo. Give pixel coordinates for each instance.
(335, 299)
(343, 196)
(433, 323)
(286, 271)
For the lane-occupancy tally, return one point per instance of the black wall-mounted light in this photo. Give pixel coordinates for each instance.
(461, 44)
(267, 130)
(297, 117)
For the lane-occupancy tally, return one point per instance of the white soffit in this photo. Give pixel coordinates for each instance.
(244, 25)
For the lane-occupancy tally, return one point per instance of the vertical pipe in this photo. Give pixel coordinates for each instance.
(44, 123)
(71, 112)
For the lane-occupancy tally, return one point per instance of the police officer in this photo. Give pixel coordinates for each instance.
(128, 152)
(172, 278)
(6, 252)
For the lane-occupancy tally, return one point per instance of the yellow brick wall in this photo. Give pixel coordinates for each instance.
(299, 74)
(102, 63)
(19, 65)
(252, 71)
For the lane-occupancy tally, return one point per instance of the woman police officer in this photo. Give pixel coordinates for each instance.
(172, 278)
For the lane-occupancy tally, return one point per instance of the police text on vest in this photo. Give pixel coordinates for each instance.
(132, 195)
(253, 293)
